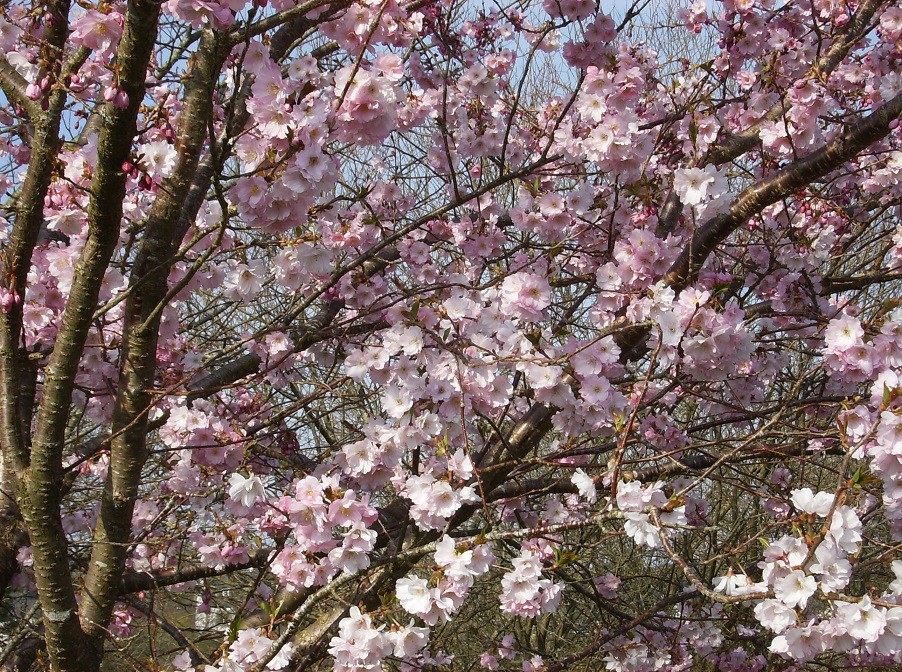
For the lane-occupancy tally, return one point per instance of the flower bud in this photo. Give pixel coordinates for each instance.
(121, 100)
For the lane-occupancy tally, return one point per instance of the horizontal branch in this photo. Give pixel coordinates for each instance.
(138, 581)
(851, 283)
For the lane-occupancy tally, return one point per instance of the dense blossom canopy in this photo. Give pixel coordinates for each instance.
(356, 335)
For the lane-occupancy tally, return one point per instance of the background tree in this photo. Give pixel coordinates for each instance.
(439, 335)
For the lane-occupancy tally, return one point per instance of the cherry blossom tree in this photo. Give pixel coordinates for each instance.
(352, 334)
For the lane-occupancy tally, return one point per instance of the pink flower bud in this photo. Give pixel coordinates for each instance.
(33, 92)
(8, 299)
(121, 100)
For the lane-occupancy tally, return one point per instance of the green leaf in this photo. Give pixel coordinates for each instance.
(562, 558)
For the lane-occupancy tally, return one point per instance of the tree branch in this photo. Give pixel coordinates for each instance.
(138, 357)
(738, 144)
(43, 478)
(856, 137)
